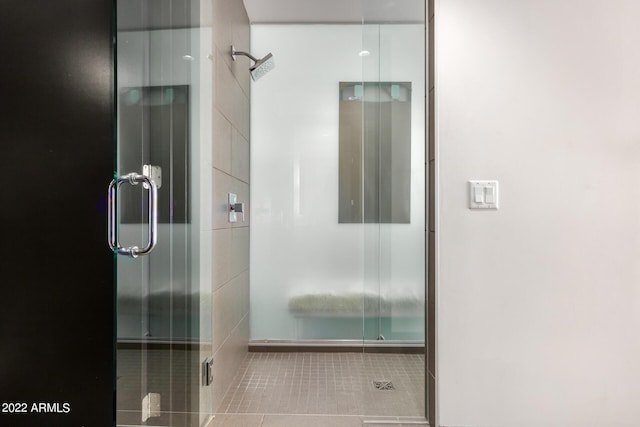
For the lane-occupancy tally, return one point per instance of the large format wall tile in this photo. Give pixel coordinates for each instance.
(230, 160)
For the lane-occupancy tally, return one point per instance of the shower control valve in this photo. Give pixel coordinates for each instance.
(235, 208)
(239, 209)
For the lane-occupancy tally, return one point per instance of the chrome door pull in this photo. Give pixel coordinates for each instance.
(112, 229)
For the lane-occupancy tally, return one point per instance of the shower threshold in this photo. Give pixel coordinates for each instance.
(336, 346)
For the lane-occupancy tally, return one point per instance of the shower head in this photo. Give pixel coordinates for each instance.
(261, 66)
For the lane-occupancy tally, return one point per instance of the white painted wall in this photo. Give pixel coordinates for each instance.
(297, 245)
(539, 302)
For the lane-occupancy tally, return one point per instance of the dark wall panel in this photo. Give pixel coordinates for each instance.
(56, 155)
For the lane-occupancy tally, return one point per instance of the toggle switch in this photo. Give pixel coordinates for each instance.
(478, 194)
(489, 195)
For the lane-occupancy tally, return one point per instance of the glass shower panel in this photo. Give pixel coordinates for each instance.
(337, 208)
(163, 322)
(337, 239)
(394, 152)
(306, 266)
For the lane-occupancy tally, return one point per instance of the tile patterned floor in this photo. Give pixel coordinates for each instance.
(336, 384)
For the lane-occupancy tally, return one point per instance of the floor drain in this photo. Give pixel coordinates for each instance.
(383, 385)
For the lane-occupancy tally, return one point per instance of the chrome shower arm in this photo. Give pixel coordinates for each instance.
(260, 66)
(235, 52)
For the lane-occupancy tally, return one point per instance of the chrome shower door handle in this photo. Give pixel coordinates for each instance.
(112, 228)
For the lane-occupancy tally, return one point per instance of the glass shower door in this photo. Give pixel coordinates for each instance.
(393, 146)
(160, 318)
(394, 163)
(155, 313)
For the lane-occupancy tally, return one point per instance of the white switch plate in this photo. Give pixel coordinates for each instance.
(483, 194)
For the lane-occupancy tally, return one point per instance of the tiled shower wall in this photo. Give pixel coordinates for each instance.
(230, 161)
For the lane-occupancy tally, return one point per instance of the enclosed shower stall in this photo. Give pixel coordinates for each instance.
(290, 210)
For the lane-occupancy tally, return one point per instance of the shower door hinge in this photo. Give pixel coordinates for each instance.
(154, 173)
(150, 406)
(207, 371)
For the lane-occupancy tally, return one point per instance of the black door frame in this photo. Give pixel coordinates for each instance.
(57, 154)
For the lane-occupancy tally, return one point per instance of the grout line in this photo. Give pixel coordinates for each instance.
(226, 284)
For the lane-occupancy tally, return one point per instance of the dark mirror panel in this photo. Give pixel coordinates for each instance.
(375, 152)
(154, 127)
(146, 15)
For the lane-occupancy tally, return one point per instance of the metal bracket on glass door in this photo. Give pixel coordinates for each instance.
(114, 243)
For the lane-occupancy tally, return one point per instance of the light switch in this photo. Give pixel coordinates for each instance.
(478, 194)
(489, 195)
(483, 194)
